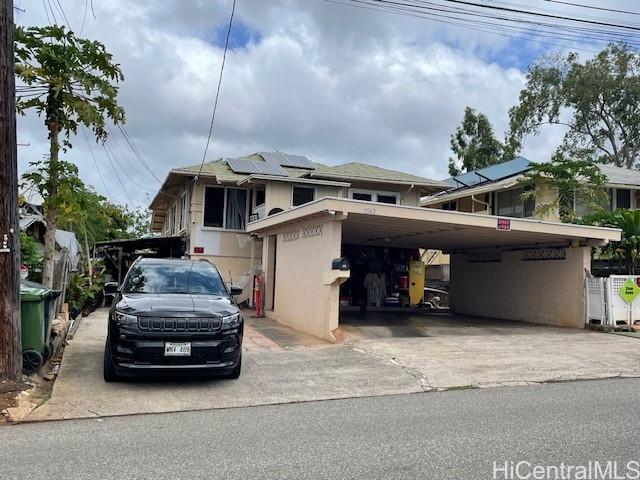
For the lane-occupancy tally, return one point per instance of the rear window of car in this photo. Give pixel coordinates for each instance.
(189, 278)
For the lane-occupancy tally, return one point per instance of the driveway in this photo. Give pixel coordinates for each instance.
(445, 350)
(382, 355)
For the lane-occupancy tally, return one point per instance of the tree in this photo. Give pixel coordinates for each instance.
(31, 256)
(141, 223)
(574, 182)
(597, 102)
(70, 81)
(627, 250)
(475, 145)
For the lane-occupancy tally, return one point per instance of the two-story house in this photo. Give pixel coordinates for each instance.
(211, 206)
(496, 190)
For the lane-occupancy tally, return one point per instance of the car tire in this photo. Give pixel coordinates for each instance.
(235, 373)
(109, 369)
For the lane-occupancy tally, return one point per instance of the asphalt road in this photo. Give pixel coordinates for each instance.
(453, 435)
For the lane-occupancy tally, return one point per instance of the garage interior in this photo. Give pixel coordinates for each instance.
(501, 269)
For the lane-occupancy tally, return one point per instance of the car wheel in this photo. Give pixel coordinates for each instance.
(108, 369)
(236, 371)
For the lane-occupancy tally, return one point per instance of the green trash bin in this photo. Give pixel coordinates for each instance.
(32, 320)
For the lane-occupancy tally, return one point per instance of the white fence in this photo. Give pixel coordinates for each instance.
(605, 306)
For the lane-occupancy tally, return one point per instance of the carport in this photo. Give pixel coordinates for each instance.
(504, 268)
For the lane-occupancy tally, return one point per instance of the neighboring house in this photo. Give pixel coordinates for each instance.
(495, 190)
(32, 222)
(211, 206)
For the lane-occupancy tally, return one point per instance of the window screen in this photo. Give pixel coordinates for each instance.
(361, 196)
(511, 205)
(213, 207)
(302, 195)
(387, 199)
(623, 198)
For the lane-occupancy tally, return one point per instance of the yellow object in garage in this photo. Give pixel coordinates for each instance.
(416, 282)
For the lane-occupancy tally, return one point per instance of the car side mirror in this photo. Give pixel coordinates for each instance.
(235, 290)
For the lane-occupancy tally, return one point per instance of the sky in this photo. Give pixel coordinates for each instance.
(310, 77)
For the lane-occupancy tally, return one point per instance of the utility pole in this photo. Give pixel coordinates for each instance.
(10, 348)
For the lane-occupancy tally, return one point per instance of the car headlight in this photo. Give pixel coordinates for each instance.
(231, 321)
(124, 318)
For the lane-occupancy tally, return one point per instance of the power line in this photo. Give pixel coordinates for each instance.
(592, 7)
(123, 155)
(493, 24)
(84, 16)
(537, 14)
(96, 164)
(126, 194)
(44, 4)
(492, 28)
(124, 170)
(64, 15)
(133, 146)
(215, 104)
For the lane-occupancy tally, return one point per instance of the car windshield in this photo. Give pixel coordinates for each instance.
(193, 278)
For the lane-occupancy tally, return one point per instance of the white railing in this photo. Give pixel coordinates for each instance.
(604, 304)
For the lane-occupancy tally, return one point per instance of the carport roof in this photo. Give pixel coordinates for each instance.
(380, 224)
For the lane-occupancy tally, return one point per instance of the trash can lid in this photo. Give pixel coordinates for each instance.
(32, 294)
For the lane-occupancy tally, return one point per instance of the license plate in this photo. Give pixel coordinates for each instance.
(172, 349)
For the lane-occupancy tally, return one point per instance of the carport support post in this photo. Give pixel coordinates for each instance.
(10, 348)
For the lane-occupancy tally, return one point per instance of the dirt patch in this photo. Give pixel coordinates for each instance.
(19, 399)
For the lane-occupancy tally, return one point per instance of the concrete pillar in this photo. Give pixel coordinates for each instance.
(306, 288)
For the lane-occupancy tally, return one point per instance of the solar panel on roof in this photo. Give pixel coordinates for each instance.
(286, 160)
(492, 173)
(504, 170)
(242, 165)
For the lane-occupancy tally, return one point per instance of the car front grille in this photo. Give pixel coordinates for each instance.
(179, 324)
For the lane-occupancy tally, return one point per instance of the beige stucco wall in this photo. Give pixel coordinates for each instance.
(229, 250)
(279, 194)
(303, 299)
(410, 198)
(545, 291)
(547, 194)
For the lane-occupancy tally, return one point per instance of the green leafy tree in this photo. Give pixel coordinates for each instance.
(597, 102)
(69, 81)
(574, 182)
(140, 223)
(31, 256)
(475, 145)
(627, 250)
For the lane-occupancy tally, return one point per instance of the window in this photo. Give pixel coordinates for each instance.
(509, 204)
(392, 198)
(302, 195)
(213, 207)
(225, 208)
(260, 197)
(184, 277)
(623, 198)
(184, 211)
(236, 216)
(361, 196)
(172, 220)
(452, 205)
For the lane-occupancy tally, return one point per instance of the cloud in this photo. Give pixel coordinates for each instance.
(334, 83)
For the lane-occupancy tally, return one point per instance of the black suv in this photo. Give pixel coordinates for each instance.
(173, 316)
